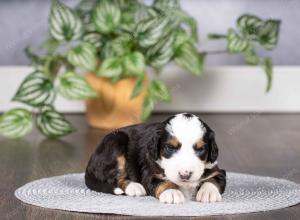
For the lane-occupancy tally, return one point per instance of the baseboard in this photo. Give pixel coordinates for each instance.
(220, 89)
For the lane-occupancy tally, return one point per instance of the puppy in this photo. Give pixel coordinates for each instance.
(172, 160)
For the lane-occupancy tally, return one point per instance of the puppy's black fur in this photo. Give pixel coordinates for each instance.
(130, 154)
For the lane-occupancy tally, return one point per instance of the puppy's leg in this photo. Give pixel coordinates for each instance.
(106, 170)
(212, 186)
(164, 190)
(129, 187)
(168, 192)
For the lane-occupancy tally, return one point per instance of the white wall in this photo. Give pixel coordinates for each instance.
(220, 89)
(24, 23)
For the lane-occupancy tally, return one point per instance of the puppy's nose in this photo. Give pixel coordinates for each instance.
(185, 175)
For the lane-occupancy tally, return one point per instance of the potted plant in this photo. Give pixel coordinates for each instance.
(113, 42)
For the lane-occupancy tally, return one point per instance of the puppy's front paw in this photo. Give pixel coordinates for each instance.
(208, 193)
(171, 196)
(135, 189)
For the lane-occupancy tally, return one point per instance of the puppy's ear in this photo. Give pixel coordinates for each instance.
(213, 150)
(151, 140)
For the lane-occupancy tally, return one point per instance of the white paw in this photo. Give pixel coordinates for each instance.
(208, 193)
(171, 196)
(135, 189)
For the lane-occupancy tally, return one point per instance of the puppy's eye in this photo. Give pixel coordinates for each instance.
(200, 151)
(170, 148)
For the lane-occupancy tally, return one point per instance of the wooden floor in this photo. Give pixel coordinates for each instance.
(249, 143)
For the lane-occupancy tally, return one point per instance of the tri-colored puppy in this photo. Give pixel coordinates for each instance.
(171, 160)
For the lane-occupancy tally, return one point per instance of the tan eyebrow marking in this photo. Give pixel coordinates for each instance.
(200, 143)
(174, 142)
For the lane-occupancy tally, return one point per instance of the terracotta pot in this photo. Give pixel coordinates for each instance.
(114, 108)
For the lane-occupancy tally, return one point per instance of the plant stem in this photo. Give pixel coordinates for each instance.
(216, 52)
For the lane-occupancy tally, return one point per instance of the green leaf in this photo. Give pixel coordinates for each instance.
(73, 86)
(36, 60)
(138, 87)
(161, 53)
(250, 56)
(181, 37)
(268, 68)
(268, 34)
(94, 39)
(148, 107)
(166, 4)
(64, 24)
(189, 21)
(120, 45)
(36, 90)
(150, 31)
(145, 13)
(235, 43)
(53, 124)
(128, 18)
(51, 45)
(85, 7)
(107, 16)
(134, 63)
(159, 90)
(188, 58)
(249, 25)
(16, 123)
(107, 51)
(51, 66)
(111, 67)
(83, 56)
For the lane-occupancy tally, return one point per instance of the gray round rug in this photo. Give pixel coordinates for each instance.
(244, 194)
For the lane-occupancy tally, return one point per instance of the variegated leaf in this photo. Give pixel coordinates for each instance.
(179, 17)
(16, 123)
(181, 37)
(116, 47)
(64, 23)
(146, 13)
(53, 124)
(188, 58)
(235, 43)
(159, 90)
(138, 87)
(83, 56)
(134, 63)
(150, 31)
(249, 25)
(120, 45)
(166, 4)
(85, 7)
(36, 90)
(94, 39)
(162, 52)
(129, 18)
(268, 34)
(126, 3)
(250, 56)
(107, 50)
(107, 16)
(111, 67)
(148, 107)
(73, 86)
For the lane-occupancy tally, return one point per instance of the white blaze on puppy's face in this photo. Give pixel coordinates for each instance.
(187, 130)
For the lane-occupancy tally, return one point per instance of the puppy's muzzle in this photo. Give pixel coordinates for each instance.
(185, 175)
